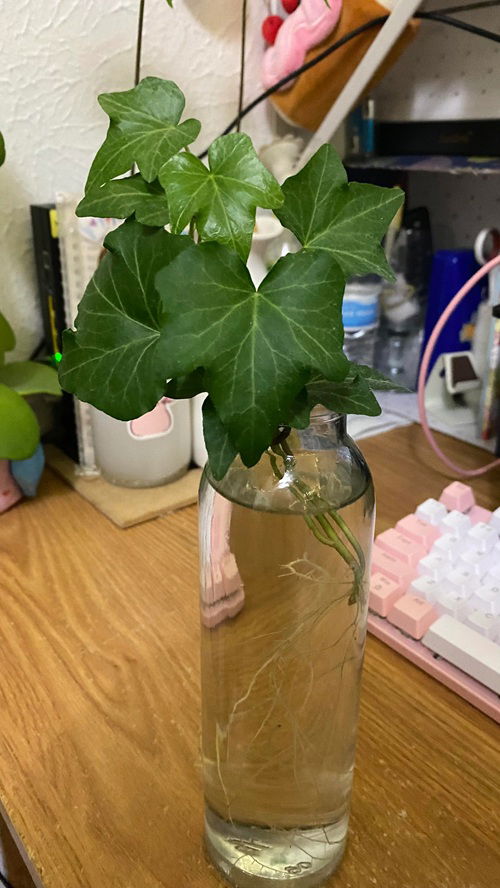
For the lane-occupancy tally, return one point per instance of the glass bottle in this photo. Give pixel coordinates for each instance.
(284, 566)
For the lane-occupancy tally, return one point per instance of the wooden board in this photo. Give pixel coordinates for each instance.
(99, 702)
(126, 506)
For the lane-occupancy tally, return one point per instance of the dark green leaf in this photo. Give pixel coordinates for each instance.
(222, 199)
(7, 337)
(19, 432)
(144, 129)
(187, 386)
(349, 396)
(116, 358)
(257, 348)
(221, 452)
(300, 415)
(347, 221)
(2, 150)
(376, 381)
(121, 198)
(30, 378)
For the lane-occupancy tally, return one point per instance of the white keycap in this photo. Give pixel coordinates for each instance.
(462, 580)
(494, 570)
(425, 587)
(435, 566)
(476, 560)
(431, 511)
(466, 648)
(495, 520)
(455, 523)
(487, 624)
(447, 545)
(453, 605)
(486, 599)
(483, 536)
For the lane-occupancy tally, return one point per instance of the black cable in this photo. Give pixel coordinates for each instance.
(242, 62)
(4, 881)
(484, 4)
(373, 23)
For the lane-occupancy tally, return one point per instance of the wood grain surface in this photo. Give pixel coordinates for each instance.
(99, 706)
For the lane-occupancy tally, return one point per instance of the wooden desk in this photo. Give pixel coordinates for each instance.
(99, 700)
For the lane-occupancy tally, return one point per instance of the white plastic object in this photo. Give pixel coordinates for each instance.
(484, 536)
(435, 566)
(466, 648)
(432, 512)
(456, 523)
(200, 454)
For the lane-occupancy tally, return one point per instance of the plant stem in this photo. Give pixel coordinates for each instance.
(138, 48)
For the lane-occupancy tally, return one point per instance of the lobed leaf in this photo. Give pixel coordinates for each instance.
(19, 431)
(347, 221)
(30, 378)
(122, 198)
(220, 449)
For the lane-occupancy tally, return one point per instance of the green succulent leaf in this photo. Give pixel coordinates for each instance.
(221, 451)
(121, 198)
(347, 221)
(222, 198)
(7, 337)
(2, 150)
(352, 395)
(375, 380)
(19, 431)
(30, 378)
(115, 358)
(257, 347)
(144, 129)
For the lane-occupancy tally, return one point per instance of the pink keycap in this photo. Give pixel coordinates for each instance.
(418, 530)
(400, 545)
(383, 593)
(457, 496)
(477, 514)
(392, 567)
(413, 615)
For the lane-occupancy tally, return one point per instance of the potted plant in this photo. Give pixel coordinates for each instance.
(21, 456)
(286, 501)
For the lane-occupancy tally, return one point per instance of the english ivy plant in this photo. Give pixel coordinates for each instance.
(180, 305)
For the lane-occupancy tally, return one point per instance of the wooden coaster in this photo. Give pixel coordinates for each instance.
(126, 506)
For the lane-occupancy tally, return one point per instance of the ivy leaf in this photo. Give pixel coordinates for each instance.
(19, 431)
(116, 357)
(7, 337)
(375, 380)
(257, 347)
(30, 378)
(144, 129)
(224, 198)
(345, 220)
(187, 386)
(353, 395)
(221, 451)
(121, 198)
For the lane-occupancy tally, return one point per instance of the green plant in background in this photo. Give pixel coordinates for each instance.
(180, 304)
(19, 431)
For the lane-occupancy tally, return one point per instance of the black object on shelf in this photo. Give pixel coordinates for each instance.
(449, 137)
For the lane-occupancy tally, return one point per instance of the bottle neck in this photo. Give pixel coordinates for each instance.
(325, 421)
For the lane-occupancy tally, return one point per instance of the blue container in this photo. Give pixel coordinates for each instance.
(451, 269)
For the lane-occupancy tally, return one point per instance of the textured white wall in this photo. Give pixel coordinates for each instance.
(56, 57)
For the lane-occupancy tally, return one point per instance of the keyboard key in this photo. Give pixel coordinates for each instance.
(475, 560)
(466, 648)
(486, 599)
(391, 567)
(432, 512)
(483, 536)
(452, 604)
(418, 530)
(435, 566)
(425, 587)
(383, 593)
(412, 615)
(455, 523)
(462, 581)
(458, 496)
(486, 624)
(401, 546)
(448, 546)
(495, 520)
(494, 570)
(477, 513)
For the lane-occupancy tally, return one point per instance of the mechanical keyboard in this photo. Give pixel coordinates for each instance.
(435, 593)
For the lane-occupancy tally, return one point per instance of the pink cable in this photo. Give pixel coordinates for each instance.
(469, 473)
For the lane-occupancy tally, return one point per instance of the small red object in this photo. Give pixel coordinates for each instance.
(270, 28)
(290, 5)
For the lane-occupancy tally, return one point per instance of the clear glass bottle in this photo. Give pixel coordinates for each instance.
(284, 565)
